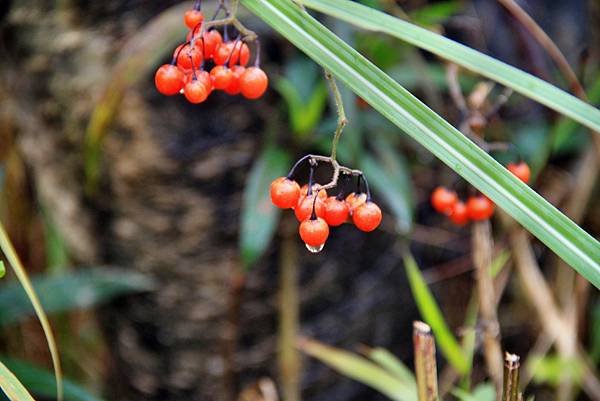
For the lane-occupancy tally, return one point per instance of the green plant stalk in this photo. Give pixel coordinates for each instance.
(14, 261)
(341, 114)
(522, 82)
(559, 233)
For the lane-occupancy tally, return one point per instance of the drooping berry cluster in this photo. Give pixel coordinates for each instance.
(208, 61)
(478, 207)
(317, 211)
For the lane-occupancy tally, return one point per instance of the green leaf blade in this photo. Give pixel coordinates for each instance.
(560, 234)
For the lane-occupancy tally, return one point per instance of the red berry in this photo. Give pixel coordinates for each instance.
(354, 200)
(195, 91)
(480, 208)
(188, 57)
(367, 216)
(222, 53)
(459, 214)
(314, 233)
(254, 83)
(336, 211)
(168, 79)
(240, 54)
(211, 40)
(204, 77)
(520, 170)
(234, 87)
(221, 76)
(322, 193)
(285, 192)
(442, 200)
(304, 207)
(192, 18)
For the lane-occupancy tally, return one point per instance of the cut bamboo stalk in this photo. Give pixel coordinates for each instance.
(425, 365)
(510, 387)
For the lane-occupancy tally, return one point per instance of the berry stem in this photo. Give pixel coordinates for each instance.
(198, 5)
(341, 114)
(257, 58)
(367, 189)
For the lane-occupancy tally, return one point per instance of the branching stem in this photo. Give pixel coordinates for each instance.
(339, 104)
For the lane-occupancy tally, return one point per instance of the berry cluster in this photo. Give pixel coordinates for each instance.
(208, 61)
(317, 211)
(477, 207)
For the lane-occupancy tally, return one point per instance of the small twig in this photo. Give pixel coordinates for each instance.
(455, 91)
(339, 104)
(510, 387)
(337, 169)
(425, 366)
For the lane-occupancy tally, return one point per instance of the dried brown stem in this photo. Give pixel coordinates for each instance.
(510, 387)
(425, 365)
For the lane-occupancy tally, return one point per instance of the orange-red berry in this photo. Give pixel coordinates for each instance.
(480, 208)
(304, 207)
(253, 82)
(459, 214)
(195, 91)
(354, 200)
(240, 54)
(314, 233)
(221, 76)
(210, 42)
(442, 200)
(336, 211)
(367, 216)
(304, 191)
(234, 87)
(222, 53)
(285, 193)
(192, 18)
(521, 170)
(188, 57)
(168, 79)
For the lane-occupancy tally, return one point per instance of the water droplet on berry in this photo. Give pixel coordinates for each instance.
(315, 249)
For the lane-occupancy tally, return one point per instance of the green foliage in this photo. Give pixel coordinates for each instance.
(73, 290)
(378, 376)
(559, 233)
(389, 362)
(595, 334)
(2, 269)
(12, 387)
(41, 381)
(258, 216)
(551, 369)
(435, 13)
(520, 81)
(483, 392)
(432, 315)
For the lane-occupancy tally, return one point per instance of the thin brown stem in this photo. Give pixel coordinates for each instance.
(425, 365)
(510, 387)
(341, 114)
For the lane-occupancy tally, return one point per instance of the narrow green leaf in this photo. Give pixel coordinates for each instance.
(483, 392)
(41, 381)
(258, 216)
(360, 369)
(389, 362)
(432, 315)
(560, 234)
(2, 269)
(73, 290)
(12, 387)
(522, 82)
(13, 259)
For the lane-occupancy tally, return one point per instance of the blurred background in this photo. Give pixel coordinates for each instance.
(145, 224)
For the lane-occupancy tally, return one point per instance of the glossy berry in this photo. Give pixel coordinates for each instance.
(240, 54)
(195, 91)
(314, 232)
(168, 79)
(210, 42)
(521, 170)
(354, 200)
(304, 207)
(285, 193)
(234, 87)
(322, 193)
(188, 57)
(459, 214)
(222, 53)
(480, 208)
(442, 200)
(336, 211)
(204, 77)
(221, 76)
(367, 216)
(192, 18)
(253, 83)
